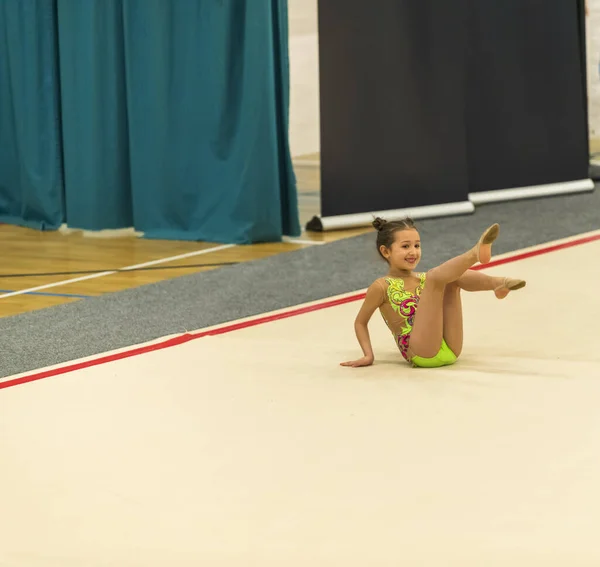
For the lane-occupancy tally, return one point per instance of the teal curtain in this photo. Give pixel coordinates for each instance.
(94, 109)
(175, 118)
(31, 182)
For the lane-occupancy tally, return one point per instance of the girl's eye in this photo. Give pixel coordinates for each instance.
(418, 246)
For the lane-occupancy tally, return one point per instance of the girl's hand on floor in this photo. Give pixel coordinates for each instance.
(364, 361)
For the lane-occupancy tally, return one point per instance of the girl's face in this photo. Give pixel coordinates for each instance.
(405, 251)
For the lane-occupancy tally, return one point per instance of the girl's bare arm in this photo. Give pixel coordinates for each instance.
(372, 302)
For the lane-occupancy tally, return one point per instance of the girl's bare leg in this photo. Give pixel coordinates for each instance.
(453, 318)
(428, 328)
(452, 311)
(476, 281)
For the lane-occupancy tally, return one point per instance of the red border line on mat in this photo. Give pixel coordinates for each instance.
(181, 339)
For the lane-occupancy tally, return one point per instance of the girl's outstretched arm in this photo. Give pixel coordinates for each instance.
(372, 301)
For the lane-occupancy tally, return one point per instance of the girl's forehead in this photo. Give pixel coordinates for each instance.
(406, 234)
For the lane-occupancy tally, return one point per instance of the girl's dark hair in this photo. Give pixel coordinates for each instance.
(386, 231)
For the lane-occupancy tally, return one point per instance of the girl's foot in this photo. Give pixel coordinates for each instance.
(508, 285)
(484, 246)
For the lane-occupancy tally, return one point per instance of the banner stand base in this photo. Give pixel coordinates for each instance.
(551, 189)
(341, 222)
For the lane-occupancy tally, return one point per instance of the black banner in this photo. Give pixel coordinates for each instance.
(526, 94)
(425, 103)
(392, 80)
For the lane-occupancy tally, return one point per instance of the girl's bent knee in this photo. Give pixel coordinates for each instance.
(435, 279)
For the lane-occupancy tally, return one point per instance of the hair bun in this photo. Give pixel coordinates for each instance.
(379, 223)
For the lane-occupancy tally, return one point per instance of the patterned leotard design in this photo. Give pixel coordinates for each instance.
(404, 303)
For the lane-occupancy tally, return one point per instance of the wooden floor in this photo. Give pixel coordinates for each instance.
(43, 269)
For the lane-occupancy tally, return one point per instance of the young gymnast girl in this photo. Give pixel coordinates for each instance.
(423, 310)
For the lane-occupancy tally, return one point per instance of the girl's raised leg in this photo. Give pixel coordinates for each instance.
(428, 328)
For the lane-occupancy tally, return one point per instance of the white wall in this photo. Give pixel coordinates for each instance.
(593, 59)
(304, 77)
